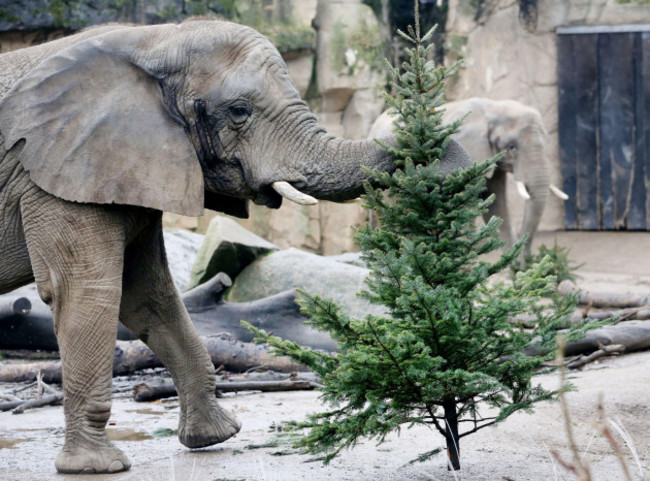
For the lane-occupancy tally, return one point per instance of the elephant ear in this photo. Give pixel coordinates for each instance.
(474, 133)
(96, 130)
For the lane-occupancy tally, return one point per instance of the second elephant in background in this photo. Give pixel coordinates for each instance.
(492, 126)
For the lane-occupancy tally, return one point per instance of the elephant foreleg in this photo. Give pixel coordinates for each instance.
(76, 252)
(152, 308)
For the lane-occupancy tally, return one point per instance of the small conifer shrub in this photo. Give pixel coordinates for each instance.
(445, 351)
(562, 267)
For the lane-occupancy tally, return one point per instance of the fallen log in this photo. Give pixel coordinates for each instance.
(634, 335)
(146, 393)
(632, 313)
(9, 397)
(7, 405)
(27, 371)
(26, 322)
(278, 314)
(604, 299)
(131, 356)
(33, 329)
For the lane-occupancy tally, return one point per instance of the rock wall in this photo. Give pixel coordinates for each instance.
(509, 58)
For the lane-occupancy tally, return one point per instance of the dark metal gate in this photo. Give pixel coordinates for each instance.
(604, 126)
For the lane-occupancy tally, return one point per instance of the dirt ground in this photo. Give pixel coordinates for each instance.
(518, 449)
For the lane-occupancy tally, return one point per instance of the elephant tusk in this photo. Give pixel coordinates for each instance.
(558, 192)
(521, 188)
(286, 190)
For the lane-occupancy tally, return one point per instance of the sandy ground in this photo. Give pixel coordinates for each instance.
(517, 449)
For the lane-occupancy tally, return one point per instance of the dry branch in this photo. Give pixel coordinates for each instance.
(9, 397)
(20, 405)
(602, 352)
(145, 393)
(6, 406)
(42, 401)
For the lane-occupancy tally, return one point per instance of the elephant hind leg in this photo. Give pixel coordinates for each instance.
(152, 308)
(77, 257)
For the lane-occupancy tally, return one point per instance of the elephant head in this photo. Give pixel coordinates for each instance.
(517, 130)
(491, 127)
(178, 118)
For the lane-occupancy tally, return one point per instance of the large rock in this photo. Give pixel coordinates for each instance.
(293, 268)
(181, 247)
(227, 247)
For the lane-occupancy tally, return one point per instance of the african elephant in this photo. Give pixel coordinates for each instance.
(492, 126)
(102, 131)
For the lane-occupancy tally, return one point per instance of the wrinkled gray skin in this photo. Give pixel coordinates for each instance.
(102, 131)
(493, 126)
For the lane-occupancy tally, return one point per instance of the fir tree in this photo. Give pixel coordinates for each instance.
(446, 348)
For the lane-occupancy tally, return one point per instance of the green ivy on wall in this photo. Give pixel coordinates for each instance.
(362, 41)
(276, 23)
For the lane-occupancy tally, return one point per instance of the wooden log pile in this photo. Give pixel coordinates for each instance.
(233, 352)
(629, 331)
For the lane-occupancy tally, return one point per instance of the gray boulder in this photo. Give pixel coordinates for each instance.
(293, 268)
(181, 247)
(227, 247)
(352, 258)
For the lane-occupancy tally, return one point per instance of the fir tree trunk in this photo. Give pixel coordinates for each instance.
(451, 434)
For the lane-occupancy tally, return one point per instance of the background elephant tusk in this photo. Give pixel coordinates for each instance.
(558, 192)
(286, 190)
(521, 188)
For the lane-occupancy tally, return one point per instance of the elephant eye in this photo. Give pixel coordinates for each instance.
(239, 113)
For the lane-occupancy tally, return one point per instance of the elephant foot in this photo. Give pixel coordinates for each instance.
(92, 460)
(206, 423)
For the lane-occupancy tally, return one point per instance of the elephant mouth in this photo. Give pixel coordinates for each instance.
(272, 193)
(505, 166)
(268, 197)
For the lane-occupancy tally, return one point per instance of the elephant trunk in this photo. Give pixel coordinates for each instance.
(337, 168)
(322, 166)
(537, 180)
(341, 167)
